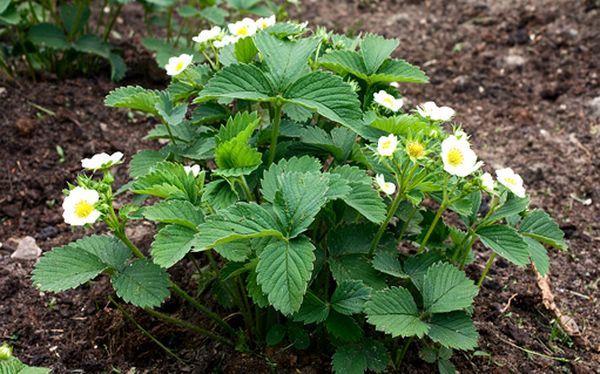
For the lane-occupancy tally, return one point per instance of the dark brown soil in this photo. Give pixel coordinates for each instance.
(520, 74)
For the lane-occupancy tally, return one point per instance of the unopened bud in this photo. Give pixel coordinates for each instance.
(5, 352)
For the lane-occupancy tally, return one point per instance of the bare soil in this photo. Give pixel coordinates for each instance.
(521, 75)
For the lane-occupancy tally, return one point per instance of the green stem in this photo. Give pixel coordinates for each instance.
(169, 23)
(488, 265)
(144, 331)
(210, 61)
(78, 16)
(407, 222)
(385, 223)
(402, 352)
(274, 133)
(168, 127)
(437, 217)
(121, 235)
(466, 251)
(112, 21)
(246, 188)
(189, 326)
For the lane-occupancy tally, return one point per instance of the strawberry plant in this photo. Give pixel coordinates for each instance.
(326, 211)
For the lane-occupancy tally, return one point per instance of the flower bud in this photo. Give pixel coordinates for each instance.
(5, 352)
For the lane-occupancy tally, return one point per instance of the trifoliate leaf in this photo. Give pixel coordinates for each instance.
(133, 97)
(219, 195)
(505, 241)
(240, 221)
(541, 227)
(108, 249)
(180, 212)
(168, 181)
(236, 158)
(453, 330)
(284, 269)
(345, 62)
(416, 266)
(240, 81)
(445, 289)
(144, 161)
(241, 126)
(395, 312)
(172, 115)
(313, 310)
(142, 284)
(171, 244)
(350, 297)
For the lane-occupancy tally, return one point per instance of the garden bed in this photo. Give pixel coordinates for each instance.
(521, 78)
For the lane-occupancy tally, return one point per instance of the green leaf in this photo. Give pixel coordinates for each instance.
(255, 291)
(14, 366)
(362, 197)
(386, 261)
(284, 269)
(395, 312)
(350, 297)
(359, 357)
(330, 96)
(240, 221)
(240, 127)
(313, 310)
(236, 158)
(133, 97)
(339, 143)
(270, 183)
(48, 35)
(142, 284)
(298, 336)
(286, 60)
(343, 328)
(275, 335)
(237, 251)
(219, 195)
(245, 50)
(171, 244)
(208, 113)
(117, 66)
(538, 255)
(445, 289)
(356, 267)
(66, 267)
(145, 161)
(403, 125)
(416, 266)
(214, 15)
(168, 181)
(92, 44)
(110, 250)
(298, 201)
(513, 205)
(240, 81)
(541, 227)
(398, 71)
(375, 49)
(505, 241)
(173, 115)
(453, 330)
(180, 212)
(345, 62)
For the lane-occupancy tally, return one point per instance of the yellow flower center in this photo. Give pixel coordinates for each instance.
(415, 149)
(511, 181)
(386, 144)
(455, 157)
(179, 66)
(389, 101)
(83, 209)
(243, 31)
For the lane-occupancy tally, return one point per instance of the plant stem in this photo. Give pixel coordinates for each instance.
(467, 249)
(144, 331)
(246, 188)
(184, 295)
(402, 352)
(274, 133)
(407, 223)
(438, 214)
(168, 127)
(387, 220)
(112, 21)
(169, 23)
(121, 235)
(488, 265)
(189, 326)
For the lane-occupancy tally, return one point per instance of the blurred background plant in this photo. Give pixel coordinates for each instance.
(72, 37)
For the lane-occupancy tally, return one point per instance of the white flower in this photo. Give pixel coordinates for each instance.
(194, 169)
(176, 65)
(207, 35)
(227, 39)
(264, 22)
(304, 24)
(386, 145)
(101, 161)
(512, 181)
(387, 187)
(79, 207)
(395, 84)
(487, 182)
(388, 101)
(432, 111)
(459, 159)
(243, 28)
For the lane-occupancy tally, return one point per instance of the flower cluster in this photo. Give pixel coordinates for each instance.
(456, 154)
